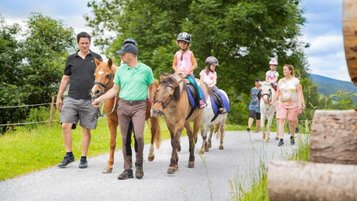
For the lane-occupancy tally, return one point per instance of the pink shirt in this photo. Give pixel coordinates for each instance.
(272, 75)
(210, 79)
(184, 62)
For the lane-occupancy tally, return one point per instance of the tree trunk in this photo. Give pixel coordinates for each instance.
(350, 36)
(334, 137)
(300, 181)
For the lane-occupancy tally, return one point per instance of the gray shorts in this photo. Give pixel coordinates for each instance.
(82, 110)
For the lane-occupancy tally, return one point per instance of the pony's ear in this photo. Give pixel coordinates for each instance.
(181, 75)
(162, 77)
(110, 62)
(97, 62)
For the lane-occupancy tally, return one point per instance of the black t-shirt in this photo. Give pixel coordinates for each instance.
(81, 72)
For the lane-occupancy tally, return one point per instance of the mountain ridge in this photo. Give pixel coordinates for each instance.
(328, 86)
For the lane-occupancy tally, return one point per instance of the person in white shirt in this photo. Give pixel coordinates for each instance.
(290, 102)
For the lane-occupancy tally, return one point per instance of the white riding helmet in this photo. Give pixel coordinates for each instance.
(273, 61)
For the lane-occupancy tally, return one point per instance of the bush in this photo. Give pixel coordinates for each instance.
(38, 115)
(239, 110)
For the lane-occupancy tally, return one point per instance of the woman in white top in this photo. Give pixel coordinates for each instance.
(290, 102)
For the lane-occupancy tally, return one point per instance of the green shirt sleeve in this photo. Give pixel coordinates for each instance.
(117, 78)
(149, 77)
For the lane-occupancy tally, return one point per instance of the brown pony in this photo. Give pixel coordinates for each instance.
(171, 100)
(104, 80)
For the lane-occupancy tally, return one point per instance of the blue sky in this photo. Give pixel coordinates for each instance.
(323, 28)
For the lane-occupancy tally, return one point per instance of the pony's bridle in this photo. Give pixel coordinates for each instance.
(103, 86)
(167, 102)
(269, 95)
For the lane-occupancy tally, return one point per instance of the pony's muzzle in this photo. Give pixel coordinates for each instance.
(95, 93)
(156, 113)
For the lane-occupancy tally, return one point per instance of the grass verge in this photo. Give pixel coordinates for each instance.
(259, 190)
(26, 150)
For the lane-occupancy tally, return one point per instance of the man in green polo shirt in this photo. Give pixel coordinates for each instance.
(132, 80)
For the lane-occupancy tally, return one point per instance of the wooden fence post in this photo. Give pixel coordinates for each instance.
(51, 111)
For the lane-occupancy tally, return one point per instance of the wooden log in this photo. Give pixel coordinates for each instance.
(334, 137)
(300, 181)
(350, 36)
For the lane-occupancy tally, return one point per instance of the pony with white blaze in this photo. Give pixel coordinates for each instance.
(267, 110)
(215, 126)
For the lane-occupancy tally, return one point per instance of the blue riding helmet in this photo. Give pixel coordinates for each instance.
(131, 41)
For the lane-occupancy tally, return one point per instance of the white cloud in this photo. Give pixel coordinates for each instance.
(330, 65)
(325, 44)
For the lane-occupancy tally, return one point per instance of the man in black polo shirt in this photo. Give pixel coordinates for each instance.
(79, 74)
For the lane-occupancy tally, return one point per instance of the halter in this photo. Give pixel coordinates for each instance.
(103, 88)
(166, 103)
(269, 95)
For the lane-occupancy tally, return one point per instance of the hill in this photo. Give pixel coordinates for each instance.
(328, 86)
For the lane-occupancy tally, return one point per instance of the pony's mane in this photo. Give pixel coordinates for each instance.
(171, 81)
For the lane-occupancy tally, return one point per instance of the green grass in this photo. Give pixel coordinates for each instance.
(26, 150)
(259, 189)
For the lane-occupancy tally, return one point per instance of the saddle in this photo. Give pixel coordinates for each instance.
(192, 95)
(216, 101)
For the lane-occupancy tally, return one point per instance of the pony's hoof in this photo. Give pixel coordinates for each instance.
(151, 158)
(206, 149)
(191, 164)
(171, 170)
(179, 148)
(209, 145)
(221, 147)
(107, 170)
(276, 138)
(202, 151)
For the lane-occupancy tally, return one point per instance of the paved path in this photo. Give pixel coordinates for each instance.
(209, 180)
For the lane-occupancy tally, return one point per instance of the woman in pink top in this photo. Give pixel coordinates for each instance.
(185, 62)
(290, 102)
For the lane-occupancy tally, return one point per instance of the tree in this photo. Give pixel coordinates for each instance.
(46, 47)
(10, 59)
(32, 68)
(243, 35)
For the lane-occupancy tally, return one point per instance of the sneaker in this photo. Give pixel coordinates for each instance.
(248, 130)
(296, 130)
(202, 104)
(292, 140)
(66, 160)
(83, 163)
(139, 172)
(126, 174)
(281, 142)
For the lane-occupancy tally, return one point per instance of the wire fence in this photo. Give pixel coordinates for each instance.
(27, 123)
(51, 104)
(19, 106)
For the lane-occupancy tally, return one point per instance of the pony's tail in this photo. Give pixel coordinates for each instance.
(155, 131)
(218, 130)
